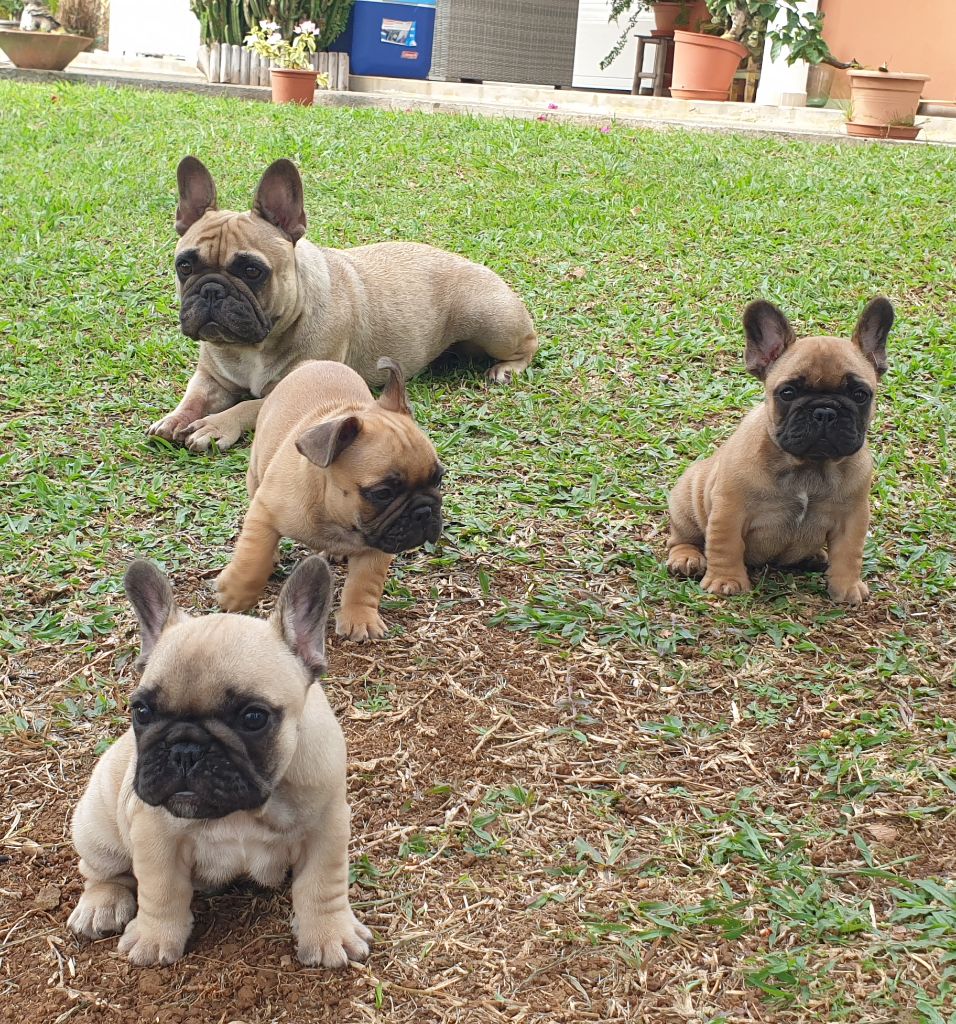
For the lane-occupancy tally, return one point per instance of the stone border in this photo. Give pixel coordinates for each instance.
(412, 102)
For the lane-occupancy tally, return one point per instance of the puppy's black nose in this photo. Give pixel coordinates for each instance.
(185, 756)
(824, 416)
(422, 514)
(212, 292)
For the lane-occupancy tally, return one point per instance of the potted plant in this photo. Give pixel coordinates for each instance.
(41, 42)
(10, 14)
(883, 103)
(705, 62)
(668, 16)
(293, 77)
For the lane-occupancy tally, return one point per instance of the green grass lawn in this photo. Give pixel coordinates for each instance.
(626, 797)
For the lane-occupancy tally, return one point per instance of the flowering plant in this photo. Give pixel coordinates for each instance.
(266, 40)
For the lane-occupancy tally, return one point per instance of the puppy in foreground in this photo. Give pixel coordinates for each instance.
(234, 766)
(260, 299)
(343, 474)
(794, 479)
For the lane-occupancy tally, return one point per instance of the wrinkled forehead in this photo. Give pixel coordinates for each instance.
(219, 234)
(822, 364)
(199, 665)
(394, 446)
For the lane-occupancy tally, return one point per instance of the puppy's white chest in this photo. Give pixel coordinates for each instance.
(802, 503)
(241, 845)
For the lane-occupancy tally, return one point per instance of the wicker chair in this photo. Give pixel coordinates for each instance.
(523, 41)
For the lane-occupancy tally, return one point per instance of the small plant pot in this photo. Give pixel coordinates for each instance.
(704, 66)
(885, 99)
(883, 131)
(291, 86)
(666, 16)
(41, 51)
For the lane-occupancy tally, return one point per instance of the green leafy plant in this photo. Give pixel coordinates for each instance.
(293, 54)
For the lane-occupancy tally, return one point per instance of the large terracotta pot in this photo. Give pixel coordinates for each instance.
(882, 98)
(42, 51)
(704, 66)
(291, 86)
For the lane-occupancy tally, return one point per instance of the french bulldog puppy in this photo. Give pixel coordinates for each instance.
(234, 766)
(794, 479)
(261, 299)
(341, 473)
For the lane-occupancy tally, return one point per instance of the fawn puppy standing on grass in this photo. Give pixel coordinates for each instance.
(341, 473)
(794, 478)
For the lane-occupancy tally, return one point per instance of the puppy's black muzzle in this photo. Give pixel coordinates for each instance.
(216, 308)
(831, 428)
(416, 521)
(193, 775)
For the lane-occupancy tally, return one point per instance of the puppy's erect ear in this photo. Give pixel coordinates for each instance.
(152, 597)
(872, 331)
(302, 612)
(197, 193)
(326, 442)
(769, 335)
(393, 396)
(279, 199)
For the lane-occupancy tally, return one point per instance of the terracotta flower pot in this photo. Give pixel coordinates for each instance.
(881, 98)
(42, 51)
(704, 66)
(883, 131)
(291, 86)
(665, 18)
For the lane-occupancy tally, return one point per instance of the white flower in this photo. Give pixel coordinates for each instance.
(274, 39)
(306, 26)
(269, 26)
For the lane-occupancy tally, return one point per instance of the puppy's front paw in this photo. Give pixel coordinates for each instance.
(199, 435)
(357, 623)
(170, 427)
(149, 943)
(332, 941)
(725, 584)
(235, 594)
(850, 593)
(104, 909)
(686, 560)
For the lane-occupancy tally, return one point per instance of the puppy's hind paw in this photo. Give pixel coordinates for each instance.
(105, 908)
(851, 593)
(686, 560)
(726, 585)
(333, 941)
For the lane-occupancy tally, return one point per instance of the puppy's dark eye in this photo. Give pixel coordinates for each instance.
(184, 268)
(787, 394)
(251, 272)
(861, 396)
(142, 713)
(254, 719)
(382, 494)
(438, 476)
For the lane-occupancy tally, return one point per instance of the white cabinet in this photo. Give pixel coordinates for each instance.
(596, 37)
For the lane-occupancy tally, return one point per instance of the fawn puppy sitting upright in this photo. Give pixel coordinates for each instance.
(234, 765)
(794, 478)
(341, 473)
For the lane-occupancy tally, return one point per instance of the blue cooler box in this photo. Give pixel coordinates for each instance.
(391, 38)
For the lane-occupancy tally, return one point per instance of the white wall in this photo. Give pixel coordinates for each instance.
(595, 39)
(153, 27)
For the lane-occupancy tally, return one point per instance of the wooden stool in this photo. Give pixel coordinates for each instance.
(663, 60)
